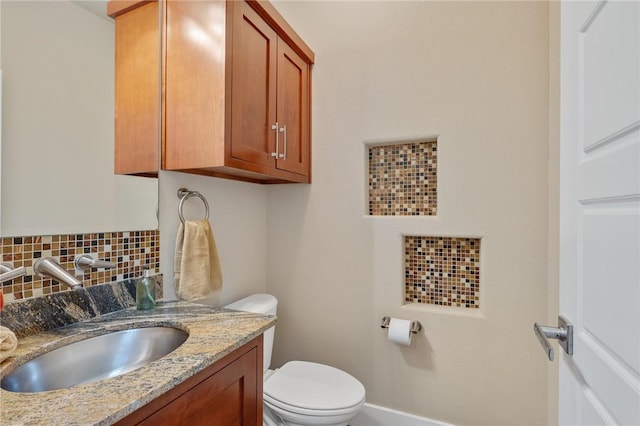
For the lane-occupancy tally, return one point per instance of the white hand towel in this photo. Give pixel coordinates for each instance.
(8, 343)
(197, 271)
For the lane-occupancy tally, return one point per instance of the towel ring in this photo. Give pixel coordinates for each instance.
(184, 194)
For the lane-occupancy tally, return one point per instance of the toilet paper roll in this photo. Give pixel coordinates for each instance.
(400, 331)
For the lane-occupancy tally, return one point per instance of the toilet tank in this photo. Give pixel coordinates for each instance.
(265, 304)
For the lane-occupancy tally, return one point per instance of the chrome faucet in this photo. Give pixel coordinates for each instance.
(8, 272)
(86, 261)
(49, 267)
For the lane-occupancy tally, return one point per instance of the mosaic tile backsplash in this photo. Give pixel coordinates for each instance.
(442, 271)
(131, 250)
(402, 179)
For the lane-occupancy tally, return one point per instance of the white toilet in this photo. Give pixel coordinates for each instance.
(302, 393)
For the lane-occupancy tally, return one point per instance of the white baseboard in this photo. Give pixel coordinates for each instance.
(375, 415)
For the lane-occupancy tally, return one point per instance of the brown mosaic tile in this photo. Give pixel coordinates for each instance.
(442, 271)
(403, 179)
(132, 251)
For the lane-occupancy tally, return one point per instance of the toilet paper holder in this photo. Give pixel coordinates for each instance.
(415, 328)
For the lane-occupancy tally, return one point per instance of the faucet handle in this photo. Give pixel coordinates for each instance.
(8, 272)
(6, 267)
(87, 261)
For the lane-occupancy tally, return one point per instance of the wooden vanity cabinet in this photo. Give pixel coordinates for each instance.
(236, 92)
(227, 393)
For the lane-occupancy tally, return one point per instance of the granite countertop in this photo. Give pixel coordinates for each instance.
(213, 333)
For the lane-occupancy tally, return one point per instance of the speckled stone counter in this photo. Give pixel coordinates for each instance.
(213, 333)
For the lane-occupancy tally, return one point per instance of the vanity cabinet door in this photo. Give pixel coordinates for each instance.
(227, 393)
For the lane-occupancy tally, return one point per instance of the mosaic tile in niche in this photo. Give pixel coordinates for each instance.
(403, 179)
(442, 271)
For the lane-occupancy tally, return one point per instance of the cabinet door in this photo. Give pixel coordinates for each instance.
(253, 88)
(137, 92)
(293, 111)
(228, 393)
(194, 85)
(228, 398)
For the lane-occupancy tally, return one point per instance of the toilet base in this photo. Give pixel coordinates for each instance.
(271, 418)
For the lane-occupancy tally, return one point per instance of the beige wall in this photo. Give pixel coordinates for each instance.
(477, 75)
(238, 217)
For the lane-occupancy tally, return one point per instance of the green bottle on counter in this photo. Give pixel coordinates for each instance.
(145, 291)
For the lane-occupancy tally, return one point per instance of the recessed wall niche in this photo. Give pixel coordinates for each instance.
(403, 179)
(442, 271)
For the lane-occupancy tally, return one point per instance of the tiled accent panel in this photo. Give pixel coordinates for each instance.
(402, 179)
(442, 271)
(131, 250)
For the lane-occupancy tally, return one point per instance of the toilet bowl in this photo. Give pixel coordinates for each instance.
(306, 393)
(302, 393)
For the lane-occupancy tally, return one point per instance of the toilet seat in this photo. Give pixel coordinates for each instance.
(313, 389)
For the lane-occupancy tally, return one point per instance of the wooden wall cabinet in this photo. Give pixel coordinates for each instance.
(227, 393)
(236, 92)
(137, 87)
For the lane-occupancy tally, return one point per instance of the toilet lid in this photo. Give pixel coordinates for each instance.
(312, 386)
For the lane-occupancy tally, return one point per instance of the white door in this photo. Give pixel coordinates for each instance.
(599, 213)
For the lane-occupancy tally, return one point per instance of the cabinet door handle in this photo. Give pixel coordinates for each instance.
(275, 127)
(284, 151)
